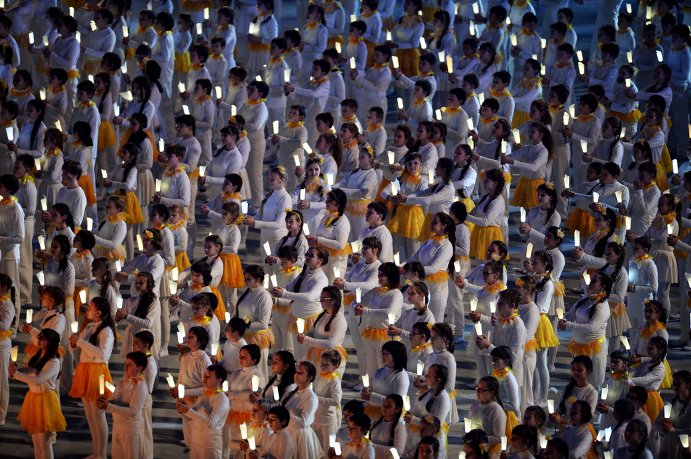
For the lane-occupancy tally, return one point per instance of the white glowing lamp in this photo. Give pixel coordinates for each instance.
(140, 243)
(423, 43)
(82, 296)
(14, 353)
(528, 249)
(581, 68)
(353, 64)
(675, 166)
(523, 215)
(567, 181)
(358, 295)
(577, 238)
(516, 136)
(604, 392)
(244, 207)
(41, 278)
(619, 196)
(586, 278)
(471, 126)
(550, 406)
(514, 40)
(255, 383)
(286, 75)
(684, 438)
(300, 324)
(102, 384)
(337, 272)
(158, 185)
(10, 133)
(473, 303)
(186, 109)
(625, 341)
(337, 449)
(206, 13)
(29, 315)
(560, 313)
(399, 103)
(170, 381)
(478, 328)
(173, 287)
(267, 248)
(397, 258)
(394, 61)
(596, 196)
(365, 380)
(392, 318)
(627, 223)
(274, 390)
(42, 242)
(199, 28)
(181, 391)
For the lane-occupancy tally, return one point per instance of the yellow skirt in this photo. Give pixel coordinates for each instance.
(511, 422)
(525, 194)
(112, 255)
(582, 221)
(85, 380)
(133, 210)
(331, 41)
(439, 278)
(182, 62)
(519, 119)
(666, 160)
(531, 346)
(314, 354)
(654, 404)
(344, 252)
(263, 338)
(667, 380)
(377, 196)
(88, 188)
(589, 349)
(220, 311)
(41, 413)
(358, 207)
(481, 238)
(238, 417)
(232, 271)
(428, 13)
(182, 262)
(106, 135)
(661, 177)
(469, 205)
(370, 52)
(77, 301)
(91, 66)
(309, 323)
(544, 335)
(408, 60)
(426, 229)
(373, 411)
(376, 334)
(407, 221)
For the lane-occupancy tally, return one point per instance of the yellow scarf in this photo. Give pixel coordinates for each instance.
(417, 349)
(53, 152)
(619, 375)
(197, 67)
(203, 320)
(202, 99)
(25, 179)
(496, 94)
(256, 101)
(500, 374)
(451, 109)
(170, 173)
(20, 92)
(311, 25)
(489, 120)
(410, 179)
(642, 258)
(664, 219)
(647, 332)
(211, 392)
(420, 101)
(319, 81)
(355, 41)
(87, 104)
(8, 201)
(525, 31)
(276, 60)
(56, 91)
(175, 226)
(330, 375)
(373, 127)
(7, 123)
(498, 287)
(585, 118)
(350, 144)
(115, 218)
(438, 238)
(293, 124)
(290, 270)
(215, 57)
(330, 219)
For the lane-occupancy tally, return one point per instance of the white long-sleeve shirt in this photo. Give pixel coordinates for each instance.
(272, 214)
(208, 417)
(127, 405)
(43, 382)
(99, 353)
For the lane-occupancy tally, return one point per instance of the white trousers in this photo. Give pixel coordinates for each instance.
(98, 428)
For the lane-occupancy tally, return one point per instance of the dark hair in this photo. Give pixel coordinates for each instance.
(146, 299)
(287, 378)
(504, 353)
(103, 306)
(83, 130)
(611, 218)
(40, 107)
(202, 336)
(361, 420)
(443, 17)
(450, 231)
(494, 175)
(40, 358)
(618, 249)
(446, 332)
(139, 359)
(399, 354)
(561, 92)
(335, 294)
(282, 414)
(146, 337)
(492, 386)
(588, 364)
(254, 351)
(392, 274)
(65, 248)
(527, 433)
(443, 375)
(423, 329)
(398, 403)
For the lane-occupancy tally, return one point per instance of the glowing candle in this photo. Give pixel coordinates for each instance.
(514, 40)
(10, 134)
(399, 103)
(206, 13)
(255, 383)
(337, 448)
(14, 353)
(560, 313)
(181, 391)
(224, 387)
(543, 43)
(457, 266)
(296, 160)
(581, 68)
(476, 8)
(397, 258)
(267, 248)
(170, 381)
(358, 295)
(388, 35)
(158, 185)
(492, 307)
(29, 315)
(102, 384)
(604, 392)
(516, 136)
(675, 166)
(627, 222)
(365, 380)
(125, 30)
(619, 196)
(684, 438)
(523, 215)
(577, 238)
(394, 453)
(449, 64)
(337, 272)
(74, 326)
(329, 179)
(286, 75)
(423, 43)
(140, 242)
(173, 287)
(42, 242)
(82, 296)
(199, 28)
(300, 323)
(596, 196)
(543, 441)
(586, 278)
(478, 328)
(110, 387)
(670, 229)
(467, 424)
(352, 63)
(503, 443)
(470, 124)
(186, 109)
(550, 406)
(41, 277)
(473, 303)
(567, 181)
(394, 60)
(406, 402)
(528, 249)
(392, 318)
(274, 389)
(437, 114)
(625, 341)
(45, 41)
